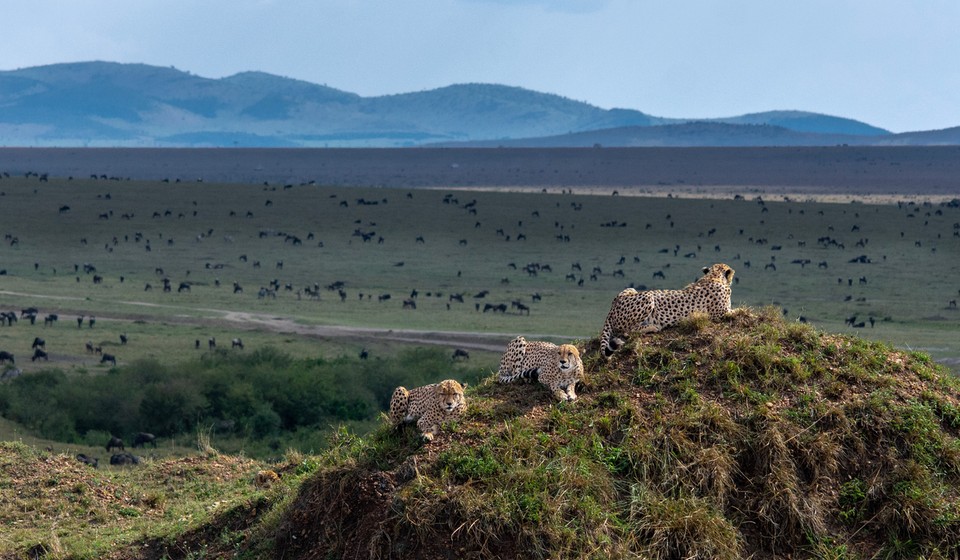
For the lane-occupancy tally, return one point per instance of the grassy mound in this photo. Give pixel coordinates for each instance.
(53, 506)
(747, 437)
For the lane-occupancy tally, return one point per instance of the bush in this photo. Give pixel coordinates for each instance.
(260, 395)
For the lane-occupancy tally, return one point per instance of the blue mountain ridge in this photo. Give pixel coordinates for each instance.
(112, 104)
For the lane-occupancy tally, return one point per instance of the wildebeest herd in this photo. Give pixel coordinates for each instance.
(119, 454)
(475, 260)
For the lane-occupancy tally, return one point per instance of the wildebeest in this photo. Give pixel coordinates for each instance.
(6, 357)
(521, 307)
(124, 459)
(108, 358)
(212, 343)
(39, 343)
(38, 354)
(144, 438)
(87, 460)
(115, 443)
(460, 353)
(123, 338)
(50, 319)
(236, 343)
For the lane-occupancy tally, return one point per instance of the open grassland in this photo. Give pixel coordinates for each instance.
(892, 268)
(748, 437)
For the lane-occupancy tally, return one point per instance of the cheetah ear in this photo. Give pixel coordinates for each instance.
(728, 273)
(705, 269)
(464, 385)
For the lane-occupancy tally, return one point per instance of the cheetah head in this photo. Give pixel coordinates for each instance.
(718, 272)
(450, 395)
(569, 357)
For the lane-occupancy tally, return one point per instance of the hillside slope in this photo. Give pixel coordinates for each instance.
(751, 437)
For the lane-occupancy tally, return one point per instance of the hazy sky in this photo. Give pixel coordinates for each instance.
(891, 63)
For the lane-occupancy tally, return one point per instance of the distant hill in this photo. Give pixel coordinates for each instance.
(723, 134)
(800, 121)
(132, 105)
(700, 133)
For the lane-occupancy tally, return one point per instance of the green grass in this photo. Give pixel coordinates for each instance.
(722, 440)
(55, 507)
(910, 278)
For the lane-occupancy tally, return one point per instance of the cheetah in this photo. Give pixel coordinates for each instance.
(650, 311)
(266, 478)
(557, 367)
(428, 406)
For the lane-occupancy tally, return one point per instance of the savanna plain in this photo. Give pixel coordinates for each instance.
(211, 296)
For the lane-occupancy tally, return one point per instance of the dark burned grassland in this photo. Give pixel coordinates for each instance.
(858, 171)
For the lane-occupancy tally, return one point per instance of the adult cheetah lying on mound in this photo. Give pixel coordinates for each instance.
(650, 311)
(429, 405)
(557, 367)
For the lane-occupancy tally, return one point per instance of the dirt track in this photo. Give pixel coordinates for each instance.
(491, 342)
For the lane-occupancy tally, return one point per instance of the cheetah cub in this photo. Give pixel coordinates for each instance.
(557, 367)
(429, 406)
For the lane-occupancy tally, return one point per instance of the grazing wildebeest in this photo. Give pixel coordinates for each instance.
(144, 438)
(236, 343)
(6, 357)
(89, 347)
(460, 353)
(29, 311)
(115, 443)
(108, 358)
(183, 287)
(123, 338)
(38, 354)
(409, 304)
(124, 459)
(50, 319)
(39, 343)
(87, 460)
